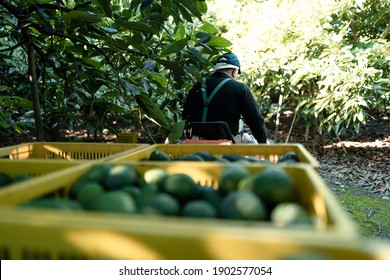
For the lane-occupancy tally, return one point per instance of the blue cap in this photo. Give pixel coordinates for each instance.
(227, 60)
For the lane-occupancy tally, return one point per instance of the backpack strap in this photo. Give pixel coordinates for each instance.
(207, 100)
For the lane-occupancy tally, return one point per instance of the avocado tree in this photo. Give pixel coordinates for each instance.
(326, 60)
(101, 63)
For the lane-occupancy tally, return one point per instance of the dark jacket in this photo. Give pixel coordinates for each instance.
(231, 101)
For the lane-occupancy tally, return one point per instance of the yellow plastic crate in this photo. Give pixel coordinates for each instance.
(34, 168)
(52, 235)
(67, 151)
(260, 151)
(93, 235)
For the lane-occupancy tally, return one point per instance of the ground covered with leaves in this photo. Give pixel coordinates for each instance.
(356, 167)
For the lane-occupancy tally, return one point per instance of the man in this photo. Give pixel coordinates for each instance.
(221, 98)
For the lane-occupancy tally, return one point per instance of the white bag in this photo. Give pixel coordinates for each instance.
(245, 138)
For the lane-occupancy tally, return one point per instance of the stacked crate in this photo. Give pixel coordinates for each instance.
(52, 234)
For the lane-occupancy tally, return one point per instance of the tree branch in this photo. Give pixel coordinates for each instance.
(46, 58)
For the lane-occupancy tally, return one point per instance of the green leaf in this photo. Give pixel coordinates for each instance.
(152, 110)
(175, 47)
(209, 28)
(360, 116)
(166, 4)
(114, 42)
(24, 103)
(111, 93)
(138, 26)
(110, 30)
(18, 128)
(146, 4)
(4, 124)
(219, 42)
(197, 55)
(187, 16)
(204, 38)
(134, 4)
(7, 102)
(189, 5)
(137, 40)
(92, 62)
(180, 32)
(160, 79)
(176, 132)
(208, 50)
(76, 49)
(81, 16)
(172, 65)
(193, 70)
(116, 108)
(105, 5)
(202, 6)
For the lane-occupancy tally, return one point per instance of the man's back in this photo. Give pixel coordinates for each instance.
(231, 101)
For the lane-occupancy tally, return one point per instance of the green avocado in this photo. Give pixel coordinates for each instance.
(159, 156)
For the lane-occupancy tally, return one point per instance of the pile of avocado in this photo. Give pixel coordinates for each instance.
(158, 155)
(269, 195)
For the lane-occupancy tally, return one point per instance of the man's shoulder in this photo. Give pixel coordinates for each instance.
(242, 86)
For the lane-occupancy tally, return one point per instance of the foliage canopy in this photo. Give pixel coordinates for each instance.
(128, 60)
(329, 60)
(106, 64)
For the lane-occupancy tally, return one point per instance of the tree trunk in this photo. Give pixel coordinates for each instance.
(386, 31)
(35, 92)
